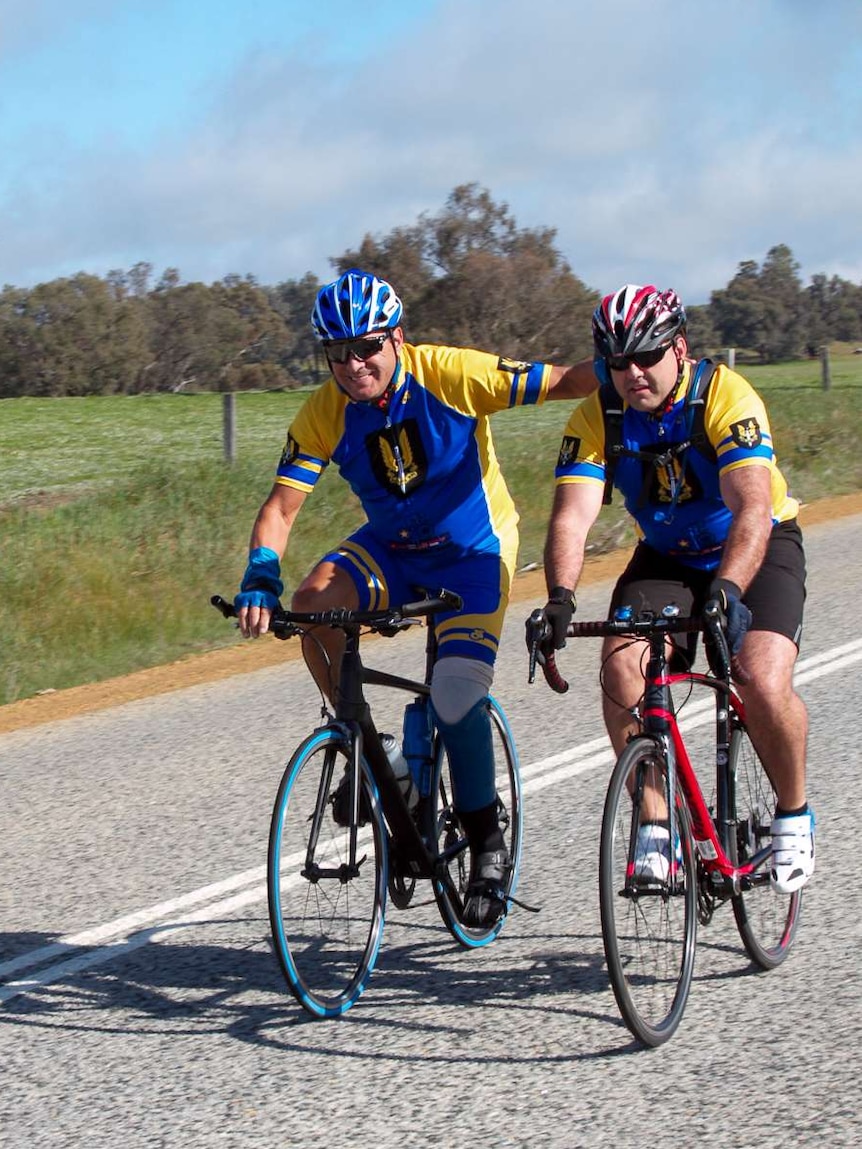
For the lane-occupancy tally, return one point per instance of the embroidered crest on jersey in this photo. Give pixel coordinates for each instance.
(515, 366)
(290, 452)
(747, 433)
(671, 483)
(568, 451)
(398, 457)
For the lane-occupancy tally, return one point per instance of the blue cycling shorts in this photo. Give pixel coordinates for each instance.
(386, 577)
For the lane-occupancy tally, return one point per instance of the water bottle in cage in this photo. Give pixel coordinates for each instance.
(419, 742)
(400, 769)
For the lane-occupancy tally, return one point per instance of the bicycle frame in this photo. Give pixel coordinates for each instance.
(342, 835)
(657, 717)
(659, 876)
(353, 713)
(711, 834)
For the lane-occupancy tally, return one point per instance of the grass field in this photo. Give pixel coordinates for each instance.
(120, 516)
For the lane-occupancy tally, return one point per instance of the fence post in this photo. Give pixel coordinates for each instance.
(825, 368)
(229, 425)
(730, 355)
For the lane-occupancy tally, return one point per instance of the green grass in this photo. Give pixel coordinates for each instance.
(62, 447)
(120, 516)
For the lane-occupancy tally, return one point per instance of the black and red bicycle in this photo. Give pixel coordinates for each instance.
(716, 851)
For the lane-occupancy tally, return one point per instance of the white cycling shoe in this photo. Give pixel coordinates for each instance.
(792, 852)
(652, 854)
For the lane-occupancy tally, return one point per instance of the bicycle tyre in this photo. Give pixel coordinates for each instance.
(766, 919)
(450, 896)
(649, 930)
(326, 928)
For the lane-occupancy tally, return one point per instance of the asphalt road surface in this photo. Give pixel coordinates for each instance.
(140, 1004)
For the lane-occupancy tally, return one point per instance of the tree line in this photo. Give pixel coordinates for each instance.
(468, 275)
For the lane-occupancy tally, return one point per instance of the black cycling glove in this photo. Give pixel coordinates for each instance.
(558, 612)
(737, 616)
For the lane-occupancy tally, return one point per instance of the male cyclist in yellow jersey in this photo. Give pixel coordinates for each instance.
(719, 524)
(407, 427)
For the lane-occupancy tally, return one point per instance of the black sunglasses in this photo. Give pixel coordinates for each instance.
(340, 350)
(643, 359)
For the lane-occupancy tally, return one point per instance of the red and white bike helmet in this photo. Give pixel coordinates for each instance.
(636, 319)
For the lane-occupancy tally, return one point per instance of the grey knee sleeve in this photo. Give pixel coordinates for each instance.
(457, 685)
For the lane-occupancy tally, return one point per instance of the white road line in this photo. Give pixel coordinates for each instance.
(132, 931)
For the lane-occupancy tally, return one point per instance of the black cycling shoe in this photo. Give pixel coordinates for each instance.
(341, 803)
(485, 900)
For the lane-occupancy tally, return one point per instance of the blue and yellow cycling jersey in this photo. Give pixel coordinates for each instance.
(680, 512)
(424, 469)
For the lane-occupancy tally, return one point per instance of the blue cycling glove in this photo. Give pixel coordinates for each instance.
(737, 615)
(261, 584)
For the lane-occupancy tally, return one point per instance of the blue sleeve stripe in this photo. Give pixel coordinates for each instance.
(533, 384)
(526, 386)
(581, 471)
(738, 454)
(306, 475)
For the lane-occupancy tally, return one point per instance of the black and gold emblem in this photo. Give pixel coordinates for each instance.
(290, 452)
(513, 366)
(568, 451)
(672, 483)
(747, 433)
(398, 457)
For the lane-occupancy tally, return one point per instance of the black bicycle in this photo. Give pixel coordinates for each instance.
(344, 836)
(717, 851)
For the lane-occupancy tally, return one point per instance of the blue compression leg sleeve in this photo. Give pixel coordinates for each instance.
(471, 757)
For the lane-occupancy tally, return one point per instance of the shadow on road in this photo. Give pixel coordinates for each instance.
(423, 985)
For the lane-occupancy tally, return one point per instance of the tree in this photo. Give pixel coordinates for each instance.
(251, 332)
(203, 337)
(761, 309)
(833, 309)
(299, 355)
(470, 276)
(703, 336)
(71, 337)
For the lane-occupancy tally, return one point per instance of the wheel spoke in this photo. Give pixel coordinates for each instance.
(508, 782)
(326, 908)
(649, 916)
(766, 919)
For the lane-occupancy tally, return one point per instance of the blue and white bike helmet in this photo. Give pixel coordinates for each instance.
(356, 304)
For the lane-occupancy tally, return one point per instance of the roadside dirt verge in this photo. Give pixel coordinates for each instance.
(248, 656)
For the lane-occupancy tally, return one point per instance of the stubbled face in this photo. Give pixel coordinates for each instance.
(366, 379)
(646, 388)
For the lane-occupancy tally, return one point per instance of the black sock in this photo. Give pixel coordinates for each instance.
(482, 828)
(780, 812)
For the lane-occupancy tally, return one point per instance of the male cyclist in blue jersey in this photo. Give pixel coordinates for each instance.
(717, 522)
(407, 427)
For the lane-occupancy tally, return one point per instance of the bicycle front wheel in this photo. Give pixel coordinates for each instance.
(452, 844)
(766, 919)
(649, 913)
(326, 899)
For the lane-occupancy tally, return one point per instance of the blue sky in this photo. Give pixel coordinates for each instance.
(666, 141)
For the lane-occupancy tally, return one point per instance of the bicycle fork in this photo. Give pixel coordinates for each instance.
(345, 871)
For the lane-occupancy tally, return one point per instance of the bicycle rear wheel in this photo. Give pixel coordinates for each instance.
(450, 835)
(766, 919)
(649, 926)
(326, 909)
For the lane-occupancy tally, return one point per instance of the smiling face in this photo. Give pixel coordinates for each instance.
(644, 384)
(363, 379)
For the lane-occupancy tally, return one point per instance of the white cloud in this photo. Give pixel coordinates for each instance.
(664, 142)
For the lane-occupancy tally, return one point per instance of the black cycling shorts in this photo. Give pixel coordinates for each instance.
(775, 598)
